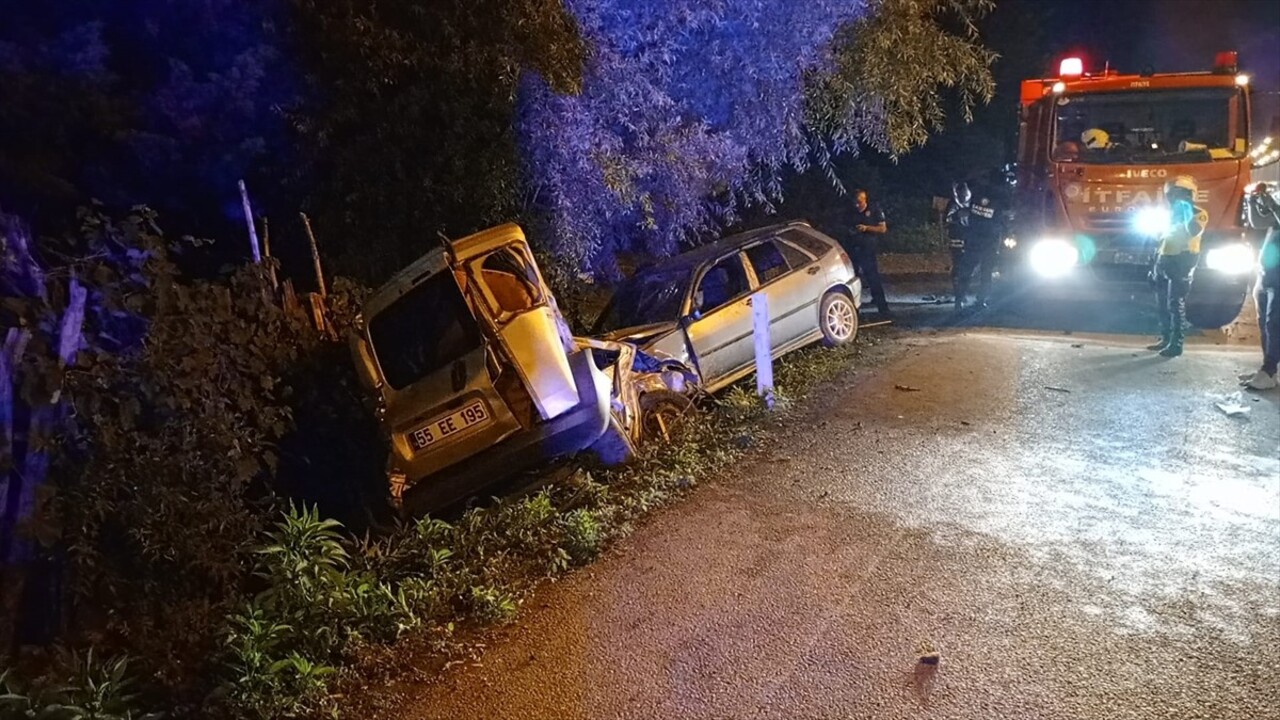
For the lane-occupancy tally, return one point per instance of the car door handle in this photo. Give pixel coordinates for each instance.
(813, 270)
(748, 302)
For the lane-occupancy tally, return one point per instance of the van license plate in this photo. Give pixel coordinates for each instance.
(1129, 258)
(470, 416)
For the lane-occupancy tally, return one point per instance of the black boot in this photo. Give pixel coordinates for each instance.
(1174, 347)
(1177, 325)
(1162, 343)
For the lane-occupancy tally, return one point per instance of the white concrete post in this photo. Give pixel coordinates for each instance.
(764, 348)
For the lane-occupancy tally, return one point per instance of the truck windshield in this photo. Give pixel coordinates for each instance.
(1150, 126)
(424, 330)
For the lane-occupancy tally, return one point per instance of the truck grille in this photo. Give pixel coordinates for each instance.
(1108, 222)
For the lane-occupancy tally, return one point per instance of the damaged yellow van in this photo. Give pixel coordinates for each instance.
(477, 376)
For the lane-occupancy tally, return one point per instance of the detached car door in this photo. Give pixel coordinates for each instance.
(527, 324)
(719, 325)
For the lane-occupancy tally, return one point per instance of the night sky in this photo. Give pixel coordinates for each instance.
(1170, 35)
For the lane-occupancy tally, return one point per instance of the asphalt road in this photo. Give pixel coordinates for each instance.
(1068, 520)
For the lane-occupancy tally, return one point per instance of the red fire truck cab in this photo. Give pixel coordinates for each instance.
(1089, 205)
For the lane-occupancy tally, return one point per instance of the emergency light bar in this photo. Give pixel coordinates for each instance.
(1071, 67)
(1226, 62)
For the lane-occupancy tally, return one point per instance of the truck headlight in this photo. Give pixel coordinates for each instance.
(1151, 221)
(1233, 259)
(1053, 258)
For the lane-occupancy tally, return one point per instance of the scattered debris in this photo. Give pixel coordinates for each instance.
(1077, 345)
(931, 658)
(906, 388)
(965, 422)
(1233, 405)
(1056, 388)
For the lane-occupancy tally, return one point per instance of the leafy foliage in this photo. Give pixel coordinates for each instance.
(91, 690)
(883, 89)
(183, 399)
(167, 102)
(409, 129)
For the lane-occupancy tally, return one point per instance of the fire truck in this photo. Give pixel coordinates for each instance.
(1089, 205)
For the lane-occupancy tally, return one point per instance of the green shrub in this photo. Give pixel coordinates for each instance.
(492, 605)
(582, 534)
(91, 689)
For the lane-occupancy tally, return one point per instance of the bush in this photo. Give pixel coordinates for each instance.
(86, 689)
(177, 421)
(582, 534)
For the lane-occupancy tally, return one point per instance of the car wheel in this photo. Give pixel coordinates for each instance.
(837, 318)
(662, 413)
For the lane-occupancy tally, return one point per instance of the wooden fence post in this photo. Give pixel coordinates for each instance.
(315, 254)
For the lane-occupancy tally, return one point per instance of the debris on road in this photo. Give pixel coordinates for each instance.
(906, 388)
(1232, 405)
(1055, 388)
(931, 658)
(1077, 345)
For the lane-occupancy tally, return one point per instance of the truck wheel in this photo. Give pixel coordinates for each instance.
(663, 412)
(837, 318)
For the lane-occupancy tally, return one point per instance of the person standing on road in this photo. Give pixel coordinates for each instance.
(957, 221)
(1264, 212)
(981, 246)
(868, 225)
(1178, 255)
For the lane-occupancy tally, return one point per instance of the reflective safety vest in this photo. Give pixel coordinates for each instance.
(1186, 227)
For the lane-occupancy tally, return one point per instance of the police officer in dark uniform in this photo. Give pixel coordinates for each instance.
(957, 221)
(1264, 212)
(868, 225)
(981, 247)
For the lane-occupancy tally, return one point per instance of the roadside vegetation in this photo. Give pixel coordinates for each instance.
(183, 533)
(189, 474)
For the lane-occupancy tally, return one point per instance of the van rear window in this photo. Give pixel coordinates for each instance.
(428, 328)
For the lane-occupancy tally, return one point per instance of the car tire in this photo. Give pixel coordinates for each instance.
(662, 413)
(837, 319)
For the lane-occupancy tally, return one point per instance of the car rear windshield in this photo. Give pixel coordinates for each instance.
(428, 328)
(816, 247)
(644, 299)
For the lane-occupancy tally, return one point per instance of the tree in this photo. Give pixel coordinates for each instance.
(690, 111)
(408, 128)
(167, 103)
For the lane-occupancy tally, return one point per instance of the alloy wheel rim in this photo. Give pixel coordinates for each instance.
(840, 319)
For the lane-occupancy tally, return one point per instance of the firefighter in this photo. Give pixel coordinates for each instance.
(957, 221)
(868, 225)
(981, 246)
(1264, 212)
(1176, 262)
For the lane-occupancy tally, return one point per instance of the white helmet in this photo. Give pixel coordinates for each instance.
(1095, 139)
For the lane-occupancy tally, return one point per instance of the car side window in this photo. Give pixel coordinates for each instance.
(767, 260)
(796, 258)
(511, 280)
(725, 280)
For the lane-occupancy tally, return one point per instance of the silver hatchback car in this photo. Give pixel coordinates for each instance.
(696, 307)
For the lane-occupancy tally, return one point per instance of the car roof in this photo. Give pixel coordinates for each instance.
(693, 258)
